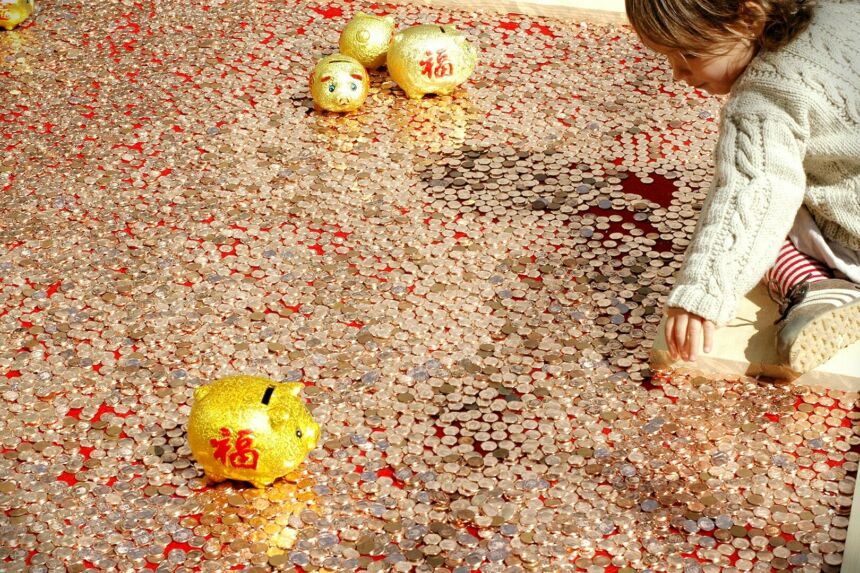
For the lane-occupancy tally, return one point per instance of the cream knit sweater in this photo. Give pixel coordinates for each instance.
(789, 136)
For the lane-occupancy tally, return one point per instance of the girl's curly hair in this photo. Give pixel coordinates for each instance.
(702, 27)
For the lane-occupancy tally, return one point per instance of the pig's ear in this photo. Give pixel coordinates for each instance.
(361, 14)
(294, 388)
(397, 37)
(389, 19)
(278, 416)
(201, 393)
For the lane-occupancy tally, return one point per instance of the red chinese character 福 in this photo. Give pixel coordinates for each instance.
(243, 457)
(221, 446)
(438, 68)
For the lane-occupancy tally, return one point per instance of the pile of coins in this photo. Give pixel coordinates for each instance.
(469, 286)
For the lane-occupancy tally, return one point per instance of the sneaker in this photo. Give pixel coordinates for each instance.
(818, 319)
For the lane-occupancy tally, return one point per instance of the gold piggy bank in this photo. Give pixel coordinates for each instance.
(430, 59)
(366, 38)
(250, 429)
(339, 83)
(13, 12)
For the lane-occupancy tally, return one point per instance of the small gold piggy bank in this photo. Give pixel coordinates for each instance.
(430, 59)
(366, 38)
(13, 12)
(250, 429)
(339, 83)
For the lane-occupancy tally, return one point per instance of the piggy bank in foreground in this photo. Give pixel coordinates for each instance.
(366, 38)
(13, 12)
(250, 429)
(339, 83)
(430, 59)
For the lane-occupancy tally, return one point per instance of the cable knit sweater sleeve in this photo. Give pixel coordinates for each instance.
(759, 185)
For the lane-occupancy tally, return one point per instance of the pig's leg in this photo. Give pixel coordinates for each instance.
(215, 478)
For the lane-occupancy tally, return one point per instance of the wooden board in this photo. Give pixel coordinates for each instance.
(610, 12)
(746, 346)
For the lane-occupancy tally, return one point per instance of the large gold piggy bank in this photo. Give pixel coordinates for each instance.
(339, 83)
(366, 38)
(13, 12)
(430, 59)
(250, 429)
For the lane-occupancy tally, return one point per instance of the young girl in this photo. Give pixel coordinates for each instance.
(785, 201)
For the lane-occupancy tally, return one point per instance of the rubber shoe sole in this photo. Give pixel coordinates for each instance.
(825, 336)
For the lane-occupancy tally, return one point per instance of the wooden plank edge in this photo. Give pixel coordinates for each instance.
(560, 11)
(660, 360)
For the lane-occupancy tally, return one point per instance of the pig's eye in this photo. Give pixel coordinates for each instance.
(354, 86)
(299, 434)
(331, 88)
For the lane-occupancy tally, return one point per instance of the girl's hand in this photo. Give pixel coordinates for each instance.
(687, 334)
